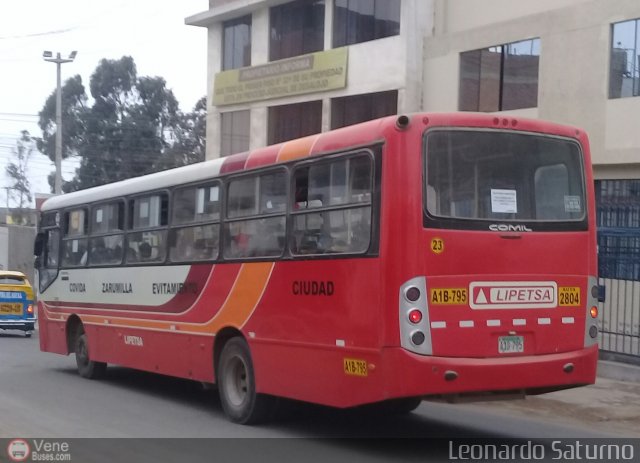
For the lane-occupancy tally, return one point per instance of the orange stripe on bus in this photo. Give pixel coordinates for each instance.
(244, 297)
(295, 149)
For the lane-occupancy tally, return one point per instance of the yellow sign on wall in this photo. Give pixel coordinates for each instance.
(316, 72)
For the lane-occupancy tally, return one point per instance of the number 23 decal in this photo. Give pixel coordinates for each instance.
(437, 245)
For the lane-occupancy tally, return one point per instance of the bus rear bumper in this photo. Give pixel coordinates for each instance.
(409, 374)
(25, 324)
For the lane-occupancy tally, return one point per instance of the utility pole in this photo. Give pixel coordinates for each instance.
(48, 56)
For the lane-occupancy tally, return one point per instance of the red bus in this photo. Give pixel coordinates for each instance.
(401, 258)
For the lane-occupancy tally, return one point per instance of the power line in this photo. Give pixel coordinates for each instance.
(19, 114)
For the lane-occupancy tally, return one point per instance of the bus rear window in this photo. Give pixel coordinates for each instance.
(11, 280)
(502, 176)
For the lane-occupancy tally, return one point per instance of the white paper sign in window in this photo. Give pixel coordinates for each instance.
(200, 201)
(572, 204)
(144, 209)
(213, 193)
(504, 201)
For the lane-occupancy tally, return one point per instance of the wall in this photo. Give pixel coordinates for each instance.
(462, 15)
(4, 248)
(16, 249)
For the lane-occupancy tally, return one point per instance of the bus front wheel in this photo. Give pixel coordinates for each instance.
(237, 385)
(87, 368)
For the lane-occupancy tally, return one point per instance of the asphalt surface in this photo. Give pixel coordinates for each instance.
(42, 396)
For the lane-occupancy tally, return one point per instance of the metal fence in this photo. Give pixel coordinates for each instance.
(619, 268)
(618, 218)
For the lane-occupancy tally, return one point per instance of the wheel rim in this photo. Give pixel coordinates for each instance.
(235, 381)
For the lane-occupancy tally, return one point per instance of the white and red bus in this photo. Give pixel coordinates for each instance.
(401, 258)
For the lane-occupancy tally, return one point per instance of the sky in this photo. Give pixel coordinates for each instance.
(151, 31)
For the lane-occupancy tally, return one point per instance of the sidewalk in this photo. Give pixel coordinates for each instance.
(612, 404)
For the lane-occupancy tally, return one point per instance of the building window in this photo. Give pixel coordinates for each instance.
(294, 121)
(354, 109)
(236, 39)
(297, 28)
(235, 132)
(624, 67)
(357, 21)
(500, 78)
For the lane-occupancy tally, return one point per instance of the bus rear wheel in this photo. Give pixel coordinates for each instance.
(87, 368)
(237, 385)
(393, 406)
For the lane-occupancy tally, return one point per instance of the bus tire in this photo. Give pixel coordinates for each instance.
(87, 368)
(400, 406)
(404, 405)
(237, 385)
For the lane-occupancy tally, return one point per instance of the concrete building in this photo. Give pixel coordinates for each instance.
(580, 76)
(364, 64)
(281, 69)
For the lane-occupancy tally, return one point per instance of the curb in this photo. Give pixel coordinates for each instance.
(618, 371)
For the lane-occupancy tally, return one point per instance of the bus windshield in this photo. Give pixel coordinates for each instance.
(501, 176)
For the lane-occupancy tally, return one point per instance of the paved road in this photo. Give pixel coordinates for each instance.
(42, 396)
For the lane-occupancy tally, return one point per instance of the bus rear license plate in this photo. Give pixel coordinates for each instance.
(355, 367)
(446, 296)
(569, 296)
(510, 344)
(11, 308)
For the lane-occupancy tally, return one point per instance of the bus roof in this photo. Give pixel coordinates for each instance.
(12, 273)
(350, 136)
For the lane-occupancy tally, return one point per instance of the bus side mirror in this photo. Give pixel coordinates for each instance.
(38, 246)
(602, 293)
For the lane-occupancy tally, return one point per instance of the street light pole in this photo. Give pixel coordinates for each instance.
(48, 56)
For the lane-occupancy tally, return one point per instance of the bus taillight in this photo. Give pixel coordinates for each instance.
(417, 337)
(412, 294)
(415, 325)
(415, 316)
(594, 312)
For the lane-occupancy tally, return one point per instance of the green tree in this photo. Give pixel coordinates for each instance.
(133, 126)
(18, 171)
(74, 100)
(188, 144)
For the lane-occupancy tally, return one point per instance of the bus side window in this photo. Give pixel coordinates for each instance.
(148, 241)
(265, 196)
(74, 242)
(432, 200)
(52, 249)
(148, 246)
(318, 228)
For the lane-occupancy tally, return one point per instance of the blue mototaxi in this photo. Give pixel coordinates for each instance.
(16, 302)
